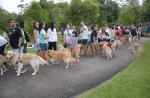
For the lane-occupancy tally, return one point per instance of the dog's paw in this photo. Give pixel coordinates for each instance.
(33, 74)
(1, 73)
(67, 67)
(5, 70)
(18, 75)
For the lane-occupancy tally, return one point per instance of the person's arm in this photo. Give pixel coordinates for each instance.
(20, 38)
(20, 41)
(45, 35)
(56, 34)
(34, 32)
(65, 36)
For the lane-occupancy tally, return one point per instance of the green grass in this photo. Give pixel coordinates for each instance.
(133, 82)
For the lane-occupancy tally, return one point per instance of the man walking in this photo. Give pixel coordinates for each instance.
(15, 36)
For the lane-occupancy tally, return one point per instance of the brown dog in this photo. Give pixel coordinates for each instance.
(2, 64)
(135, 47)
(107, 50)
(62, 55)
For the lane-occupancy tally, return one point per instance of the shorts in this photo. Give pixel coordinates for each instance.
(79, 41)
(84, 41)
(43, 46)
(99, 40)
(37, 48)
(89, 43)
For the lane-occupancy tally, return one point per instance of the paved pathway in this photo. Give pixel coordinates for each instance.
(57, 82)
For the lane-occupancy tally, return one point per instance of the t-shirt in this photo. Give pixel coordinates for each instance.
(41, 36)
(139, 30)
(73, 42)
(14, 35)
(68, 35)
(3, 41)
(85, 32)
(133, 31)
(52, 35)
(89, 35)
(93, 35)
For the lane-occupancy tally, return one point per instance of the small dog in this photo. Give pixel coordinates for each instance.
(117, 43)
(3, 63)
(107, 50)
(135, 47)
(69, 60)
(61, 55)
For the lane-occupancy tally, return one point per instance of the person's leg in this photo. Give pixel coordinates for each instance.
(85, 46)
(55, 45)
(46, 55)
(25, 48)
(50, 46)
(2, 49)
(93, 50)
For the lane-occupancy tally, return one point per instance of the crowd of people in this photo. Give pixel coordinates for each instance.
(74, 38)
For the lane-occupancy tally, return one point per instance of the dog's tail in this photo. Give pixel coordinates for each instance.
(42, 61)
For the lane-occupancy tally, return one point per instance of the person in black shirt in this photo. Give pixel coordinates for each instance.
(15, 36)
(133, 33)
(93, 40)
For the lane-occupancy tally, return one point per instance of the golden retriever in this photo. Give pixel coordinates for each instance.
(106, 50)
(135, 47)
(2, 64)
(20, 60)
(61, 55)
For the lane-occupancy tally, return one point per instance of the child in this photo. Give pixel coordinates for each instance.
(75, 47)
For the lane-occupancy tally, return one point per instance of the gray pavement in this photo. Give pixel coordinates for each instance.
(58, 82)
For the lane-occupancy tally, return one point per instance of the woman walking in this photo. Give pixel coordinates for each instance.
(84, 33)
(68, 35)
(52, 34)
(43, 43)
(36, 38)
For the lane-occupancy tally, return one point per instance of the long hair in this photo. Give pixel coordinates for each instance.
(93, 29)
(52, 26)
(41, 24)
(34, 26)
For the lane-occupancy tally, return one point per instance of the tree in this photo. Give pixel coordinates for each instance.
(109, 12)
(146, 10)
(36, 12)
(59, 14)
(33, 13)
(4, 17)
(127, 16)
(134, 2)
(87, 11)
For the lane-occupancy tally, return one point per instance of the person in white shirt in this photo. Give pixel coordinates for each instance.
(84, 32)
(52, 34)
(3, 43)
(68, 35)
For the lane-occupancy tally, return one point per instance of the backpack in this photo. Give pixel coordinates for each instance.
(27, 37)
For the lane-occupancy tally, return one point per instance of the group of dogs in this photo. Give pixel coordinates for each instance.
(21, 60)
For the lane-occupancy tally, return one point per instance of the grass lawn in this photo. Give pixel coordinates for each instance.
(133, 82)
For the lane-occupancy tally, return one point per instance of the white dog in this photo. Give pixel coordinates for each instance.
(22, 60)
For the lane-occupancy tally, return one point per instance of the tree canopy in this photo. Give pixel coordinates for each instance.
(92, 12)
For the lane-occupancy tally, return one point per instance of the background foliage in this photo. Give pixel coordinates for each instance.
(92, 12)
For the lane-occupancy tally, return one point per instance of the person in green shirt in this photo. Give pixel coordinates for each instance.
(43, 43)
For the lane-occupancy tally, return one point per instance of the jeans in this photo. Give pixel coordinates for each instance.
(2, 49)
